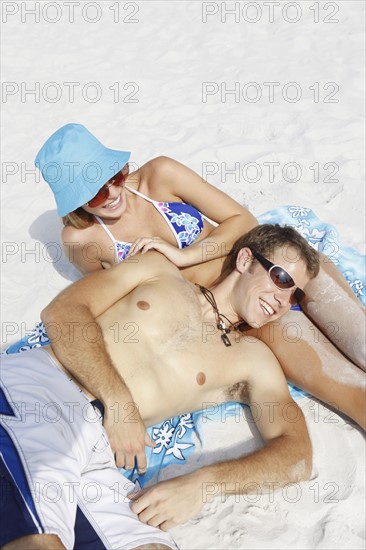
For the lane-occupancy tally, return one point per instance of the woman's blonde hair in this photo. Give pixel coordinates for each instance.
(79, 218)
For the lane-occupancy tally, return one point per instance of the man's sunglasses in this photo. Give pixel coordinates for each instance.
(103, 193)
(280, 278)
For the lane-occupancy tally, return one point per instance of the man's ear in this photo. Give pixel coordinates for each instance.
(243, 259)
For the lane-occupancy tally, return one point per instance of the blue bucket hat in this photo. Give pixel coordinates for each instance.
(76, 165)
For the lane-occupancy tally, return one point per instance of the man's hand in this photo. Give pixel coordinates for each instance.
(127, 435)
(169, 503)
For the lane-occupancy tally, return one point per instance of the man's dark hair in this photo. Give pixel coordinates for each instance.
(265, 239)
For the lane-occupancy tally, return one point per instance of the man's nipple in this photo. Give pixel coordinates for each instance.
(201, 378)
(141, 304)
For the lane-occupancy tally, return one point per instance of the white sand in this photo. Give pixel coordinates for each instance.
(159, 63)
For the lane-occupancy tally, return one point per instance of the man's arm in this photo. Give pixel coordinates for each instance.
(76, 340)
(285, 457)
(287, 454)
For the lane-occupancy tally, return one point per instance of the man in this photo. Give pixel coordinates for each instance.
(148, 345)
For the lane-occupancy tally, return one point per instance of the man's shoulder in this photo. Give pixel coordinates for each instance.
(257, 369)
(252, 347)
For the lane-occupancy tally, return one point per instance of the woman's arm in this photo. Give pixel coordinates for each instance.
(170, 178)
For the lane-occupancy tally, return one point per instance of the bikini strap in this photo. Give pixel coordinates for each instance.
(135, 192)
(105, 227)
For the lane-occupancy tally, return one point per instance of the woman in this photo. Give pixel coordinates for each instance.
(110, 215)
(130, 209)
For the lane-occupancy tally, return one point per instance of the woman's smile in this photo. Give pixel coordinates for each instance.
(115, 203)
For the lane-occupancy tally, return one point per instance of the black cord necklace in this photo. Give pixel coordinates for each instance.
(220, 318)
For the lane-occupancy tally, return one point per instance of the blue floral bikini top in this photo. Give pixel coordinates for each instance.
(185, 221)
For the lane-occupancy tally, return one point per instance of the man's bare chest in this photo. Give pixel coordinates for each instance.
(167, 353)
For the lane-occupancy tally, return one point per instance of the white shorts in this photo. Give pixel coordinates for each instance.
(57, 467)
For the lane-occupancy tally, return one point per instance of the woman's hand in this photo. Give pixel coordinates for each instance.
(176, 255)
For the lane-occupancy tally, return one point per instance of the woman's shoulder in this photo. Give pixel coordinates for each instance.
(160, 165)
(75, 236)
(160, 162)
(162, 173)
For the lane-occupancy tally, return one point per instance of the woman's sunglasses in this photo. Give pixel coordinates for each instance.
(280, 278)
(103, 193)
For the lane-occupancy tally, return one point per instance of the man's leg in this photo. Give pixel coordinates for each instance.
(52, 542)
(105, 518)
(65, 461)
(37, 461)
(332, 305)
(35, 542)
(313, 363)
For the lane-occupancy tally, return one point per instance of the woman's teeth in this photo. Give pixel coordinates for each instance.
(267, 308)
(114, 203)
